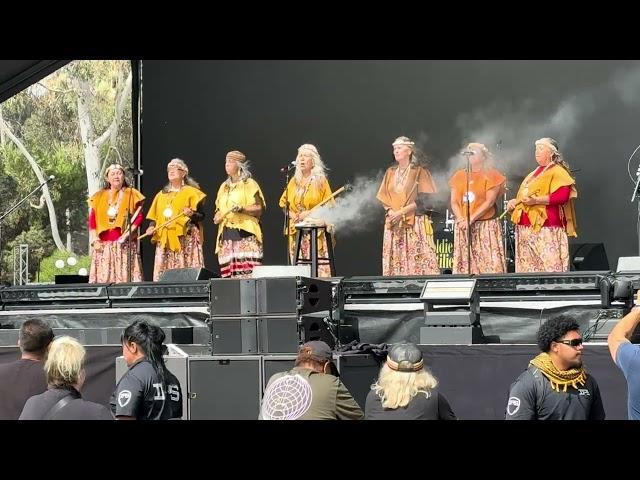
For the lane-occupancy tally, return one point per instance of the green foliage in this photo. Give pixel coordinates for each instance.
(40, 245)
(45, 118)
(48, 269)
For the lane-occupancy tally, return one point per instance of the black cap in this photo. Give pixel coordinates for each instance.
(319, 350)
(405, 357)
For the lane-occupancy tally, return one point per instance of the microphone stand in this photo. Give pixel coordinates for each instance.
(633, 197)
(4, 215)
(287, 177)
(129, 226)
(468, 216)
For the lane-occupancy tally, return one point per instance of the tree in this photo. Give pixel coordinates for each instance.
(71, 124)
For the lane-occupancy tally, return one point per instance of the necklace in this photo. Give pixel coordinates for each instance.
(168, 211)
(301, 191)
(400, 178)
(112, 211)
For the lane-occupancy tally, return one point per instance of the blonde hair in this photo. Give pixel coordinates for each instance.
(64, 362)
(397, 389)
(486, 153)
(319, 169)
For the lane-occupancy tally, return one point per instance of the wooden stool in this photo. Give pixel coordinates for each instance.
(312, 230)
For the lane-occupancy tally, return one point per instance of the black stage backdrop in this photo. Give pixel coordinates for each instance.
(352, 111)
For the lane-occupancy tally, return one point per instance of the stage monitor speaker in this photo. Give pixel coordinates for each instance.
(186, 275)
(588, 256)
(628, 264)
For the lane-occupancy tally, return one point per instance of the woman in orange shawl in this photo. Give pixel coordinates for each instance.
(485, 186)
(407, 245)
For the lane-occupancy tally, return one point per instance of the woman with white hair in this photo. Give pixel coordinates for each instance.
(485, 184)
(407, 246)
(175, 214)
(308, 187)
(544, 214)
(239, 205)
(65, 373)
(115, 214)
(406, 390)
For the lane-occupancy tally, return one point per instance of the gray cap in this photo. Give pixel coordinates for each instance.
(405, 357)
(319, 350)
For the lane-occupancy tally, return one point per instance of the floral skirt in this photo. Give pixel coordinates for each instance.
(408, 250)
(110, 263)
(189, 256)
(543, 251)
(487, 249)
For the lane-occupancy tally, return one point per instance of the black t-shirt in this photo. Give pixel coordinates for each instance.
(19, 381)
(532, 398)
(141, 394)
(436, 407)
(39, 406)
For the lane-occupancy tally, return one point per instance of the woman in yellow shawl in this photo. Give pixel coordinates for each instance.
(407, 246)
(307, 188)
(239, 205)
(179, 242)
(111, 210)
(544, 214)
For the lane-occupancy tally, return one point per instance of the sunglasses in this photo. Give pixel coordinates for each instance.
(572, 343)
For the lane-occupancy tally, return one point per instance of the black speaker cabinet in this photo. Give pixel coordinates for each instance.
(225, 387)
(357, 372)
(249, 335)
(234, 335)
(186, 275)
(317, 327)
(293, 295)
(588, 256)
(233, 297)
(272, 364)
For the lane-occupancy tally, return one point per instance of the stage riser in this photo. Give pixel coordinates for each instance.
(111, 336)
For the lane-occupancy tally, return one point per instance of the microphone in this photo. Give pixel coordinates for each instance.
(288, 167)
(135, 171)
(467, 153)
(635, 188)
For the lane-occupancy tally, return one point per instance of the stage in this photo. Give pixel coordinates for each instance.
(235, 333)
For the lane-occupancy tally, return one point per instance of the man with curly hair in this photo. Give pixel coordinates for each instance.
(555, 386)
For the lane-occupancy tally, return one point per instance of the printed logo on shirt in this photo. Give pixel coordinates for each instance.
(124, 397)
(583, 392)
(174, 392)
(468, 197)
(513, 405)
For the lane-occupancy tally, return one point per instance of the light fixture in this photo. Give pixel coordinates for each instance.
(451, 312)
